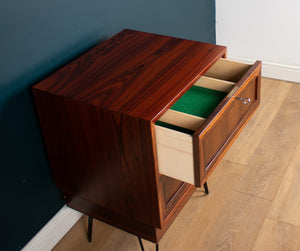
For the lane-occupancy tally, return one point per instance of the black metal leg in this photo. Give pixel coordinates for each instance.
(90, 228)
(141, 243)
(142, 246)
(206, 188)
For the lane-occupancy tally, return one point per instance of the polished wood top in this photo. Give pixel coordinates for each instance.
(136, 73)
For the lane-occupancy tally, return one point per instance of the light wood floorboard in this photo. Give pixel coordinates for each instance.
(276, 235)
(237, 226)
(266, 169)
(260, 122)
(203, 211)
(286, 205)
(254, 192)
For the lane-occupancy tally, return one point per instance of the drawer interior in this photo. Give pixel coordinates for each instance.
(227, 70)
(198, 102)
(175, 127)
(189, 112)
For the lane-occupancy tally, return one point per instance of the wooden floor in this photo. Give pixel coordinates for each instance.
(254, 200)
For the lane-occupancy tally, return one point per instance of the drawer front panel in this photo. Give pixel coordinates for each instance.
(213, 140)
(172, 191)
(191, 158)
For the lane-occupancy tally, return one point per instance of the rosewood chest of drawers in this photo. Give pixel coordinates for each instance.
(135, 124)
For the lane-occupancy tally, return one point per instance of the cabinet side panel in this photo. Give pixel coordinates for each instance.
(100, 156)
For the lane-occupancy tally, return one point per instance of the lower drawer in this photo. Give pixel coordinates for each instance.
(195, 132)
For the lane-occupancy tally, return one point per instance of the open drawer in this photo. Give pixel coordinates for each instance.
(193, 135)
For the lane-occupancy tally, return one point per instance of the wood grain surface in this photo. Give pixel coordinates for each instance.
(136, 73)
(270, 160)
(97, 116)
(286, 204)
(103, 157)
(203, 211)
(212, 217)
(219, 130)
(242, 217)
(277, 235)
(270, 102)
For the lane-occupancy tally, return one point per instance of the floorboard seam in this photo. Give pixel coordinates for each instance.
(282, 221)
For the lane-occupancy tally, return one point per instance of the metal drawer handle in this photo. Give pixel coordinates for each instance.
(246, 101)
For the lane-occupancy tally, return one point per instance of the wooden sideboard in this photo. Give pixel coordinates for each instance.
(119, 149)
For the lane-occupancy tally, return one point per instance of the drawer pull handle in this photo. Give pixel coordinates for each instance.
(246, 101)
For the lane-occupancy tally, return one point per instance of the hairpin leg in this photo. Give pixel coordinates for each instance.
(142, 246)
(141, 243)
(206, 188)
(90, 227)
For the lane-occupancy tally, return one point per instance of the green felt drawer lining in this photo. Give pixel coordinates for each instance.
(197, 101)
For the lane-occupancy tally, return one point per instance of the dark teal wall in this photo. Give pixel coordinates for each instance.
(37, 37)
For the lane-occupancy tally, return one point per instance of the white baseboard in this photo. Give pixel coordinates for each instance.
(276, 71)
(54, 230)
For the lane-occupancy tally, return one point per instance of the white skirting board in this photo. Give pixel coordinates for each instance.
(276, 71)
(54, 230)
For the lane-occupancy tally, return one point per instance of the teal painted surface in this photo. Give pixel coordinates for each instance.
(37, 37)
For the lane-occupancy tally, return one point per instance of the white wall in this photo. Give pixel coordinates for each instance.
(268, 30)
